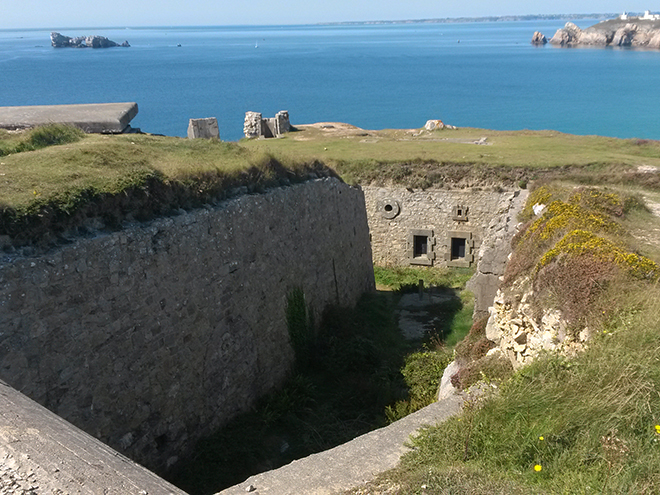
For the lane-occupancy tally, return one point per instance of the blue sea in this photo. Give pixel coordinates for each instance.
(374, 76)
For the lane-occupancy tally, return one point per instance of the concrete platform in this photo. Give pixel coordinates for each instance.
(42, 453)
(349, 465)
(102, 118)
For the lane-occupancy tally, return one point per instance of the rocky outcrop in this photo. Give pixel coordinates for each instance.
(643, 34)
(521, 334)
(60, 41)
(568, 35)
(494, 251)
(539, 38)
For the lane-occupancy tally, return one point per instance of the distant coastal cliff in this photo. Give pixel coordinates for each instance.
(60, 41)
(642, 32)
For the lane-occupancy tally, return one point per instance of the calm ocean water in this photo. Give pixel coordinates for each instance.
(373, 76)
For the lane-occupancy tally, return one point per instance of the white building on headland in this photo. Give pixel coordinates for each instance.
(646, 17)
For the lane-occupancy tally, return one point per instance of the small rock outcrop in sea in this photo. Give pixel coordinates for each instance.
(60, 41)
(539, 39)
(640, 33)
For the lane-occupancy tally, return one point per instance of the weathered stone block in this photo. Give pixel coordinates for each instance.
(203, 128)
(252, 125)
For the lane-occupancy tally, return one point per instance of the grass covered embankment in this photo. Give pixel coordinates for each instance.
(588, 423)
(70, 181)
(54, 181)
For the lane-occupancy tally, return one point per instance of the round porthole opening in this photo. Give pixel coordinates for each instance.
(390, 208)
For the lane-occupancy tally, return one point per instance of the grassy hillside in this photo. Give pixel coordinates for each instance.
(55, 179)
(588, 424)
(101, 181)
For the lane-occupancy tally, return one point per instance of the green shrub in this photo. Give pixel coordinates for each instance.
(52, 135)
(41, 137)
(298, 324)
(475, 345)
(422, 373)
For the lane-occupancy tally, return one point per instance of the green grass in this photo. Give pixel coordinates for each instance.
(40, 137)
(398, 277)
(596, 413)
(452, 319)
(421, 158)
(53, 180)
(114, 178)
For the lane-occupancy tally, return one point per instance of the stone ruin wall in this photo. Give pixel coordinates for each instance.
(483, 221)
(397, 214)
(255, 126)
(150, 337)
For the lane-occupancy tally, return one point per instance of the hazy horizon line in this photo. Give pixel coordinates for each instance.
(460, 19)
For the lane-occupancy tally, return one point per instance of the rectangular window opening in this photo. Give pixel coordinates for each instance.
(420, 246)
(457, 248)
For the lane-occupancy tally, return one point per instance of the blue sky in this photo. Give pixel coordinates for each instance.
(120, 13)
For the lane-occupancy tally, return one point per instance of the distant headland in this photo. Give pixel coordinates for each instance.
(503, 18)
(60, 41)
(626, 30)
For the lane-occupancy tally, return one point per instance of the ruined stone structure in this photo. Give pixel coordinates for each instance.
(495, 250)
(256, 126)
(203, 128)
(433, 227)
(151, 337)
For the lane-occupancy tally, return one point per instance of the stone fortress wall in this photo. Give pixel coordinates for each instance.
(150, 337)
(432, 227)
(446, 227)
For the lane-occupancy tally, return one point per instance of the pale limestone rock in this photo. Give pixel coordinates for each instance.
(446, 388)
(594, 37)
(624, 36)
(539, 39)
(538, 209)
(654, 40)
(252, 125)
(432, 125)
(568, 35)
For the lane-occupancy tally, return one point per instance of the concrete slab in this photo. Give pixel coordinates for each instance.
(103, 118)
(42, 453)
(349, 465)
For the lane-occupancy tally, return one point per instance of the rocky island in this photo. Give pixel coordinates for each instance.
(60, 41)
(627, 31)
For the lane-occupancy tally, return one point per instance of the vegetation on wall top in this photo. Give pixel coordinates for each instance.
(54, 181)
